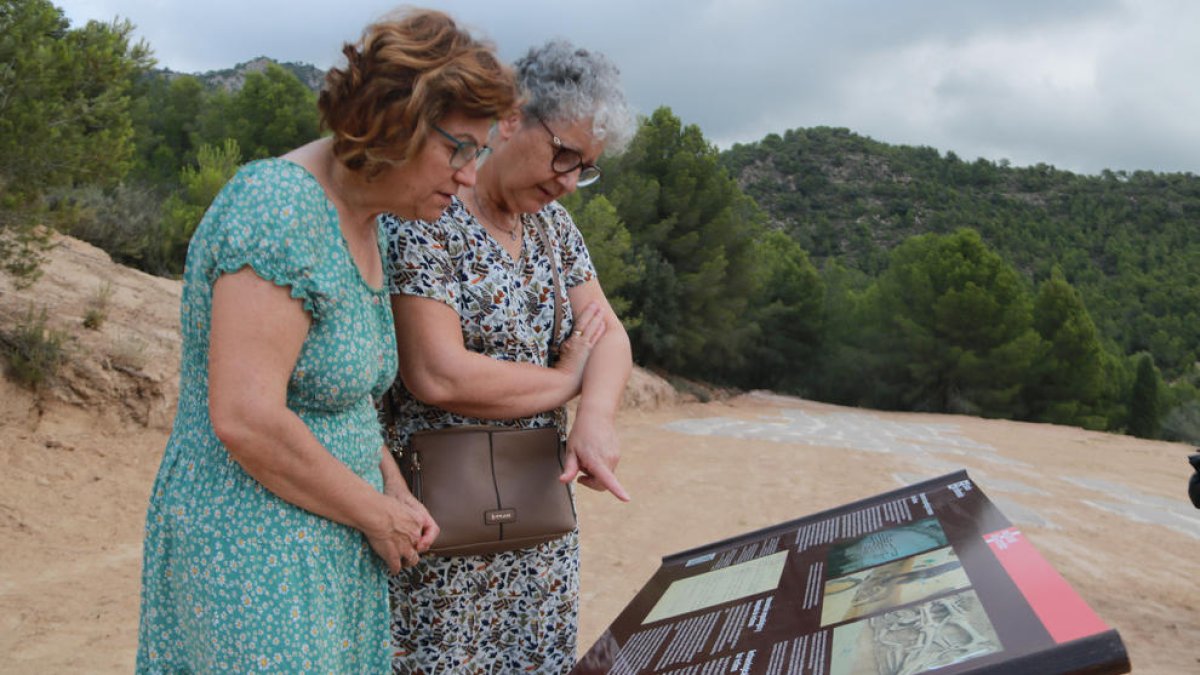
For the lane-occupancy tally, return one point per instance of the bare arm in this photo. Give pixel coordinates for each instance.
(439, 370)
(611, 360)
(592, 448)
(257, 332)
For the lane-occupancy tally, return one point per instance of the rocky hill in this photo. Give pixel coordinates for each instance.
(232, 79)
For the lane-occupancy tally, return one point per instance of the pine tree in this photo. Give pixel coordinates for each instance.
(166, 114)
(954, 326)
(1145, 399)
(64, 116)
(272, 113)
(1066, 379)
(610, 246)
(183, 210)
(694, 235)
(788, 311)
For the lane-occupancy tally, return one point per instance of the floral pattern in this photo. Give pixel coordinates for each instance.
(235, 578)
(509, 612)
(514, 611)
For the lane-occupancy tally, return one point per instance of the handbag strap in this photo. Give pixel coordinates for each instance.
(539, 223)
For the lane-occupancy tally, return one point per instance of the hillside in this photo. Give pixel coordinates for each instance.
(1127, 241)
(77, 460)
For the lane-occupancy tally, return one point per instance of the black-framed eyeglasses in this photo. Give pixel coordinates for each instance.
(567, 159)
(465, 152)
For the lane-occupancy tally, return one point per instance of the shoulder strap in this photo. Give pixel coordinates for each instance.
(539, 223)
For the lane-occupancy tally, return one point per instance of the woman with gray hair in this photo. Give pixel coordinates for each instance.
(473, 300)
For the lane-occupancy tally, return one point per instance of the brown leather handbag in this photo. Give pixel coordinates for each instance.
(490, 489)
(493, 488)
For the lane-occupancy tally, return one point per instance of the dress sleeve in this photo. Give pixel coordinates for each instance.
(419, 260)
(576, 261)
(266, 218)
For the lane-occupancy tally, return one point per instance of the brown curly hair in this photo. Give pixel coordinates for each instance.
(405, 73)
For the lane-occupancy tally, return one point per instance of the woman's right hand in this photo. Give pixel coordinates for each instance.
(589, 328)
(395, 531)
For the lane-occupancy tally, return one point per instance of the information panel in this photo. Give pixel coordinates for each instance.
(928, 577)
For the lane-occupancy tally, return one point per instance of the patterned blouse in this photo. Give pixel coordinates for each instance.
(505, 306)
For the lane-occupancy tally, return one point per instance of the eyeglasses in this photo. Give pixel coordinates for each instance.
(465, 152)
(568, 159)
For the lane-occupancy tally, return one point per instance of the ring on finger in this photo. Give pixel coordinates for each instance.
(577, 333)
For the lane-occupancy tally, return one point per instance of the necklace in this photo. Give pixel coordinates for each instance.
(512, 234)
(481, 215)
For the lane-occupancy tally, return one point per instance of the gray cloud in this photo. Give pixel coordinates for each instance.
(1080, 84)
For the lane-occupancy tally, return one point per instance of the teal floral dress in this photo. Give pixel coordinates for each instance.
(234, 578)
(515, 611)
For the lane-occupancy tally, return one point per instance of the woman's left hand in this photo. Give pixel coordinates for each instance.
(593, 453)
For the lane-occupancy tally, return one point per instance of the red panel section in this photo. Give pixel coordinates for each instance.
(1064, 614)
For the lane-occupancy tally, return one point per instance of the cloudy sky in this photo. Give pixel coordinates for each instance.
(1080, 84)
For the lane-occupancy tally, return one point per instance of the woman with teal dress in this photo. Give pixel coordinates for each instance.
(277, 513)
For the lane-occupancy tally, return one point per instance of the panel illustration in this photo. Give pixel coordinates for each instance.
(935, 634)
(881, 547)
(896, 583)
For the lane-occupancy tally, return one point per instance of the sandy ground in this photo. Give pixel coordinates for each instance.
(77, 461)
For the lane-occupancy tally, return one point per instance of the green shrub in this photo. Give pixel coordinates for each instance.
(123, 221)
(97, 312)
(34, 350)
(1182, 424)
(128, 353)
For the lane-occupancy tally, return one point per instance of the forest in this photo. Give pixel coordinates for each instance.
(816, 262)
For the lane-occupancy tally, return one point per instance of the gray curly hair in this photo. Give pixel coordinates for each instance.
(562, 82)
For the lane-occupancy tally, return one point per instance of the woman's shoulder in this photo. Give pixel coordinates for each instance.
(258, 171)
(565, 236)
(277, 178)
(270, 208)
(271, 190)
(556, 218)
(270, 194)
